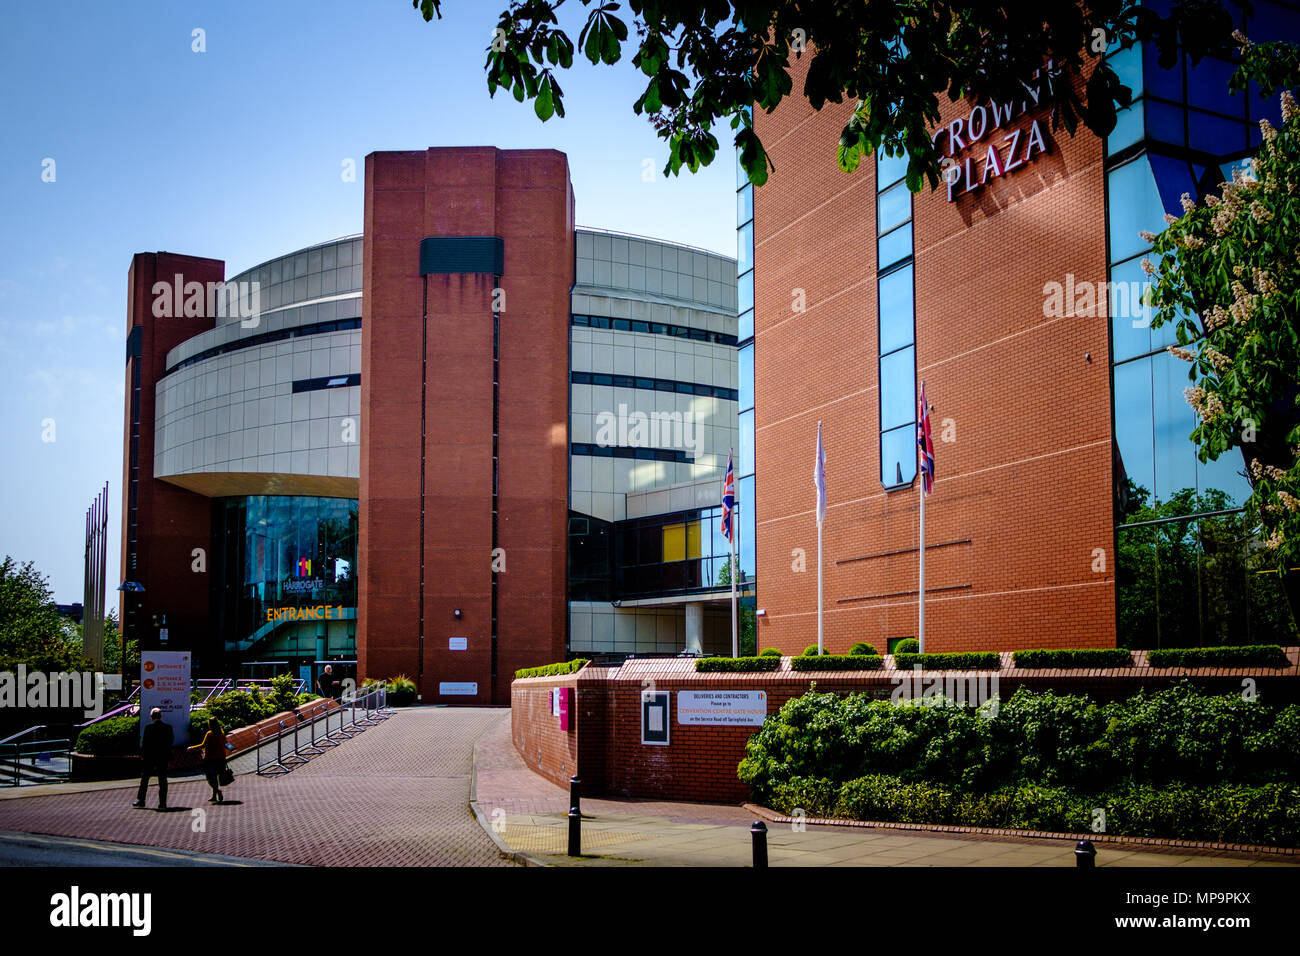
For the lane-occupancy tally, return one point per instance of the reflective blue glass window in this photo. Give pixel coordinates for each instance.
(745, 325)
(895, 247)
(898, 388)
(1127, 65)
(745, 291)
(898, 456)
(745, 204)
(1129, 317)
(745, 545)
(889, 169)
(1156, 81)
(893, 207)
(896, 327)
(1129, 127)
(1134, 206)
(1175, 455)
(1207, 87)
(1165, 122)
(745, 455)
(1227, 474)
(745, 248)
(1133, 422)
(1214, 134)
(745, 375)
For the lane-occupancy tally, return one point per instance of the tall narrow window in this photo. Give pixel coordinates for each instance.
(897, 324)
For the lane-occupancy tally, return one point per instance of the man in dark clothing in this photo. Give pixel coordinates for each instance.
(326, 683)
(155, 754)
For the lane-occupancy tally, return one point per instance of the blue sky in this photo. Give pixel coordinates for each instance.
(236, 153)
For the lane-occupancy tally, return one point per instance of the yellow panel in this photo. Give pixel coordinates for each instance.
(693, 539)
(674, 542)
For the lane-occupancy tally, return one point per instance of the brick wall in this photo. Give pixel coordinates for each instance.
(604, 747)
(1023, 496)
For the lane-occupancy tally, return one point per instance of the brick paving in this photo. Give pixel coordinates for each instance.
(396, 795)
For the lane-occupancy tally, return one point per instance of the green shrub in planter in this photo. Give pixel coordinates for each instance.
(968, 661)
(838, 662)
(770, 652)
(722, 665)
(1247, 655)
(401, 691)
(114, 737)
(811, 651)
(239, 708)
(865, 649)
(551, 670)
(1075, 657)
(908, 645)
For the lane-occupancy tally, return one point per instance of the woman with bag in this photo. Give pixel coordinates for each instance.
(214, 746)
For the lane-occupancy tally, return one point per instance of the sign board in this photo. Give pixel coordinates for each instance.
(457, 643)
(555, 702)
(722, 708)
(564, 696)
(458, 688)
(162, 635)
(165, 684)
(654, 718)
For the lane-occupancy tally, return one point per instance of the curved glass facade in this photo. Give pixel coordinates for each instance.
(283, 562)
(1188, 572)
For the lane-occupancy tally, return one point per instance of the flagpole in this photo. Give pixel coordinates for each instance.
(735, 643)
(820, 647)
(920, 591)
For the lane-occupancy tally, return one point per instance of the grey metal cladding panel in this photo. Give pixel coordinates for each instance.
(462, 254)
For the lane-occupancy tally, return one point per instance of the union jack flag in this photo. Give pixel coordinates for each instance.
(728, 500)
(925, 442)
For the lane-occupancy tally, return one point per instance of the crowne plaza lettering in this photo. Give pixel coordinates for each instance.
(984, 145)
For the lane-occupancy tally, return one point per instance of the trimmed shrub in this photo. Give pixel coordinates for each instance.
(969, 661)
(770, 652)
(1247, 655)
(811, 651)
(551, 670)
(1069, 658)
(241, 708)
(719, 665)
(838, 662)
(865, 649)
(908, 645)
(114, 737)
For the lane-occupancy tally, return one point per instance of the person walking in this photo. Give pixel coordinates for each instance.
(327, 685)
(214, 746)
(155, 754)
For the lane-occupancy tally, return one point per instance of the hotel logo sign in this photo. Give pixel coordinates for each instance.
(993, 139)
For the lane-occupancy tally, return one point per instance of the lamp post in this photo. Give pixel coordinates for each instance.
(129, 588)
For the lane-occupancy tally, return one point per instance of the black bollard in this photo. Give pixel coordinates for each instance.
(759, 833)
(575, 832)
(575, 794)
(1085, 854)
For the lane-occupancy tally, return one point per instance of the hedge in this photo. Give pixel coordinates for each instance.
(838, 662)
(1070, 658)
(862, 647)
(551, 670)
(1247, 655)
(908, 645)
(718, 665)
(969, 661)
(120, 736)
(771, 652)
(811, 651)
(1226, 813)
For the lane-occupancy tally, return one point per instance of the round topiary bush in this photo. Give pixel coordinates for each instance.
(908, 645)
(810, 651)
(770, 652)
(862, 649)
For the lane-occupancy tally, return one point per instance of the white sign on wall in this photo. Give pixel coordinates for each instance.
(165, 684)
(457, 643)
(722, 708)
(458, 688)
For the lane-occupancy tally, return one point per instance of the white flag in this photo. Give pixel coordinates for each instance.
(819, 477)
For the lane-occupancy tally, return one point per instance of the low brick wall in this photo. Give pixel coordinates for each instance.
(603, 746)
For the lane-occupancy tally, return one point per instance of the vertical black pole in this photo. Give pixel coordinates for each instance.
(1085, 855)
(759, 833)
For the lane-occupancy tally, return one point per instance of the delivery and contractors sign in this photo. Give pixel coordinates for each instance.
(722, 708)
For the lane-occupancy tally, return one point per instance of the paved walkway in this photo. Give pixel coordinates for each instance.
(395, 795)
(621, 832)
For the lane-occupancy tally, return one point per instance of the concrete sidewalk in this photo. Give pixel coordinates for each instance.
(529, 815)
